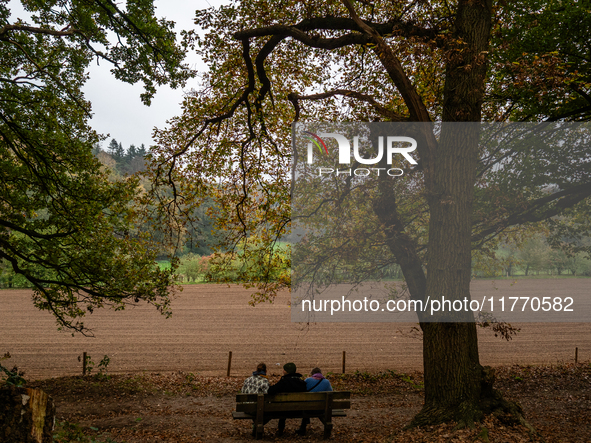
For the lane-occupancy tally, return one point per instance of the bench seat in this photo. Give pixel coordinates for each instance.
(262, 408)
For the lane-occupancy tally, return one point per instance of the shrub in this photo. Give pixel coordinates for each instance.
(192, 267)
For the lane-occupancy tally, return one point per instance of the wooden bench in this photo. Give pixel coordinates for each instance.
(261, 408)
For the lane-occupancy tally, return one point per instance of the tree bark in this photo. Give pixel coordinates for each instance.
(457, 387)
(26, 416)
(454, 378)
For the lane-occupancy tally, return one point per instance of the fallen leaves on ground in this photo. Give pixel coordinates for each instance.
(184, 407)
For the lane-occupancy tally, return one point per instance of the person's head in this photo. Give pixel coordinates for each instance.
(262, 368)
(289, 368)
(316, 371)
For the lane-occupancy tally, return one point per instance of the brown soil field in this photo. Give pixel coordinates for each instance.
(208, 321)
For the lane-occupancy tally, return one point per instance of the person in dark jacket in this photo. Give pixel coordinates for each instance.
(290, 382)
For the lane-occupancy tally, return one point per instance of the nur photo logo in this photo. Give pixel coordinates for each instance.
(387, 145)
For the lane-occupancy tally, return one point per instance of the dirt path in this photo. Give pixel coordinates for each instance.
(211, 320)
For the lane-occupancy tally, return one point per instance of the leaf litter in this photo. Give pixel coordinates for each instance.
(184, 407)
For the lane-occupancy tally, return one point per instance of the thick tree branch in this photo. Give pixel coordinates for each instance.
(535, 211)
(285, 31)
(66, 32)
(401, 245)
(34, 30)
(382, 110)
(260, 67)
(34, 234)
(391, 28)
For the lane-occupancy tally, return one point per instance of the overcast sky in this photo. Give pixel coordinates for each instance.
(117, 108)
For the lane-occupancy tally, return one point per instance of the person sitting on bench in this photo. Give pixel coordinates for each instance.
(257, 383)
(315, 383)
(290, 382)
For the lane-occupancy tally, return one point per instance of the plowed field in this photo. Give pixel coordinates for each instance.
(210, 320)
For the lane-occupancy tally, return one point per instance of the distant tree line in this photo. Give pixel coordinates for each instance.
(122, 162)
(538, 255)
(198, 237)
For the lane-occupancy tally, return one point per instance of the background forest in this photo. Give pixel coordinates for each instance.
(533, 256)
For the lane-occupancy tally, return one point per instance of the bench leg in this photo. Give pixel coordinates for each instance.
(303, 425)
(258, 422)
(327, 426)
(328, 415)
(280, 427)
(257, 430)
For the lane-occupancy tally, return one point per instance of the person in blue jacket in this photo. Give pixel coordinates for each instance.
(315, 383)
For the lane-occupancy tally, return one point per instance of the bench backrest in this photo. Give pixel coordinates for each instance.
(293, 401)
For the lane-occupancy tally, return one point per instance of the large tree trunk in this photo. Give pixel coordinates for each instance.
(454, 378)
(457, 387)
(450, 350)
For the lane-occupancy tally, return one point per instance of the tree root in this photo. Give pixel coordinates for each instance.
(467, 413)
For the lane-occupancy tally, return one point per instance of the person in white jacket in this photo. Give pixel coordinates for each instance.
(257, 383)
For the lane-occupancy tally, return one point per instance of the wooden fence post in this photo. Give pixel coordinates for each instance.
(229, 363)
(576, 355)
(84, 363)
(344, 358)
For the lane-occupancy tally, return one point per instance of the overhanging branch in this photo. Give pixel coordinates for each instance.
(382, 110)
(67, 32)
(535, 211)
(34, 234)
(390, 28)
